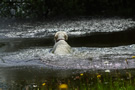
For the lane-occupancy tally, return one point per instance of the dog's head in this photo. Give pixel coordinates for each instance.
(61, 35)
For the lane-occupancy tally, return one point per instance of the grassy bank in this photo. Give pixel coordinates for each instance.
(83, 81)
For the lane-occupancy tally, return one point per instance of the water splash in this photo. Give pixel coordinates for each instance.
(81, 58)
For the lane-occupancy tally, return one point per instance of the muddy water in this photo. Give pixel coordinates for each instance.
(98, 44)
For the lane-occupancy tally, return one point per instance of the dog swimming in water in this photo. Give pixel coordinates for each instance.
(61, 47)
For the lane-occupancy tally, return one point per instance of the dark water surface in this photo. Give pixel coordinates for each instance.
(98, 44)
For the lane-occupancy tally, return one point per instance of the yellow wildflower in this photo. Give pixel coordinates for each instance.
(63, 86)
(133, 56)
(81, 74)
(43, 84)
(98, 76)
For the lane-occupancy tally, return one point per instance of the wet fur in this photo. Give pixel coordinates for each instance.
(61, 46)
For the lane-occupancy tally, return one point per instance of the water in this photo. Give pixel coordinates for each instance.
(74, 26)
(25, 48)
(81, 58)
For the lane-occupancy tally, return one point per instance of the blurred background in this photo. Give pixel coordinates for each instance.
(51, 8)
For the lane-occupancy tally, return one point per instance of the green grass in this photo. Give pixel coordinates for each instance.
(85, 81)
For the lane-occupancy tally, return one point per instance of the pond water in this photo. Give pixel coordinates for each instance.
(98, 44)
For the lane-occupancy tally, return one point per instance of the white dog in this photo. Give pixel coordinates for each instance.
(61, 46)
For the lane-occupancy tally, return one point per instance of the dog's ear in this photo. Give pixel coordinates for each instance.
(65, 36)
(56, 36)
